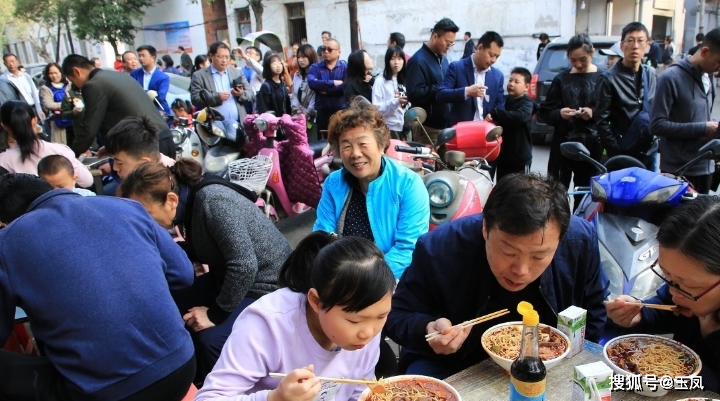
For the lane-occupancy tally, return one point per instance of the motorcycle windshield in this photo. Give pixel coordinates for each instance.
(634, 185)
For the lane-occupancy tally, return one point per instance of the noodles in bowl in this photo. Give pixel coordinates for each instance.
(502, 343)
(644, 354)
(412, 387)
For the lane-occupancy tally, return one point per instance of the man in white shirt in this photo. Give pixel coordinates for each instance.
(23, 82)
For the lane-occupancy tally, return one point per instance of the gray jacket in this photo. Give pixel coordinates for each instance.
(203, 79)
(242, 247)
(679, 115)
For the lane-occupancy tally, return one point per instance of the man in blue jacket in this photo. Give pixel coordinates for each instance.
(109, 328)
(424, 74)
(151, 78)
(472, 86)
(523, 247)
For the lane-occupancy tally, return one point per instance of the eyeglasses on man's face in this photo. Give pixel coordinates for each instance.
(658, 271)
(327, 49)
(633, 41)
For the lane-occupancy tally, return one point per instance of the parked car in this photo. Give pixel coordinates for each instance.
(553, 60)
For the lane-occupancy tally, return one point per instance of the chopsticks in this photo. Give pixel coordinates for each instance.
(331, 379)
(472, 322)
(669, 308)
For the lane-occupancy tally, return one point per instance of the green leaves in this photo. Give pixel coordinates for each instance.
(107, 20)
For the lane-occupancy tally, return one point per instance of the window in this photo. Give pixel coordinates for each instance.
(242, 17)
(222, 35)
(296, 22)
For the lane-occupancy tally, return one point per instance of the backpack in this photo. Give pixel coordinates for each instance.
(638, 139)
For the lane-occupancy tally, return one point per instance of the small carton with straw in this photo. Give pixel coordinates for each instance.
(592, 382)
(572, 323)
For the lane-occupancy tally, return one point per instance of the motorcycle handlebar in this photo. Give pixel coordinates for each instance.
(416, 150)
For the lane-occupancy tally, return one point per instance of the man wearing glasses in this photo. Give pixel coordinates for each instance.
(424, 74)
(689, 264)
(326, 79)
(623, 97)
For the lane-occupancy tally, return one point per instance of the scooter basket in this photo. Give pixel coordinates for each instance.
(252, 173)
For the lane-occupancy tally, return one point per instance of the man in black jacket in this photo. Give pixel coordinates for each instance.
(424, 74)
(623, 97)
(469, 45)
(109, 97)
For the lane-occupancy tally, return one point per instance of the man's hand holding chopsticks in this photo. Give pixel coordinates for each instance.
(450, 339)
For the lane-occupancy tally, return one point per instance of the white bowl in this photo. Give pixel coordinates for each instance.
(365, 396)
(646, 390)
(506, 363)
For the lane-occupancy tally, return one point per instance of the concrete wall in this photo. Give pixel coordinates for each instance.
(516, 20)
(169, 11)
(623, 14)
(708, 22)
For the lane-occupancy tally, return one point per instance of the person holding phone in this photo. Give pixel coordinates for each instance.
(229, 89)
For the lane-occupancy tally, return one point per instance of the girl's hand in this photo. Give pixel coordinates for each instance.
(298, 385)
(623, 314)
(709, 323)
(568, 113)
(586, 113)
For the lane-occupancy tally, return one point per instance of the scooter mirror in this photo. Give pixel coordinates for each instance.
(573, 150)
(494, 134)
(445, 136)
(454, 158)
(415, 115)
(712, 146)
(205, 97)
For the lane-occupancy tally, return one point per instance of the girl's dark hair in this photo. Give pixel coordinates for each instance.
(350, 272)
(17, 116)
(46, 72)
(199, 59)
(394, 51)
(580, 41)
(312, 56)
(167, 60)
(694, 230)
(356, 65)
(267, 71)
(181, 104)
(153, 181)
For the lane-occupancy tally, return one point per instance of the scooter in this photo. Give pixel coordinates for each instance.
(187, 142)
(294, 177)
(462, 188)
(210, 129)
(627, 203)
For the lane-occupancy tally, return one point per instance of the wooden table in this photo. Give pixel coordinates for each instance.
(487, 381)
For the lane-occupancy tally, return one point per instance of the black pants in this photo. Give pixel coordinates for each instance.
(387, 364)
(502, 170)
(701, 183)
(322, 121)
(27, 377)
(579, 172)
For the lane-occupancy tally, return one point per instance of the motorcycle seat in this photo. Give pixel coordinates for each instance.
(317, 148)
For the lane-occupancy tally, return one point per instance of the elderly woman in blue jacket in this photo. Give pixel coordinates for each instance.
(372, 196)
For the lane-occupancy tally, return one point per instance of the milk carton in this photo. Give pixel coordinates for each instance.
(592, 382)
(572, 322)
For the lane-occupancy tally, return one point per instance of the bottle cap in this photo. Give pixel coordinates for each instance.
(530, 316)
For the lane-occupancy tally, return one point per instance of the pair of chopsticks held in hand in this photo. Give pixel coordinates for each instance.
(469, 323)
(669, 308)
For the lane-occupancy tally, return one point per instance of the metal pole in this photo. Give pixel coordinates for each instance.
(701, 25)
(636, 15)
(608, 18)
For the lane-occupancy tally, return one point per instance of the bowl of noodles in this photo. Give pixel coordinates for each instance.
(411, 387)
(645, 354)
(502, 343)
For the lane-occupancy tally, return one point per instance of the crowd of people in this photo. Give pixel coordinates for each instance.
(180, 279)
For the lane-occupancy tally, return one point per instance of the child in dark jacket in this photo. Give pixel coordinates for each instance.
(516, 152)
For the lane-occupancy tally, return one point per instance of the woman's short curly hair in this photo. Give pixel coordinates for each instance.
(360, 113)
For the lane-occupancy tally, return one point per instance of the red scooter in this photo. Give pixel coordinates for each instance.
(462, 188)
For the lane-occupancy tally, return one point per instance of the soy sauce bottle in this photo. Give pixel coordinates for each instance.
(527, 373)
